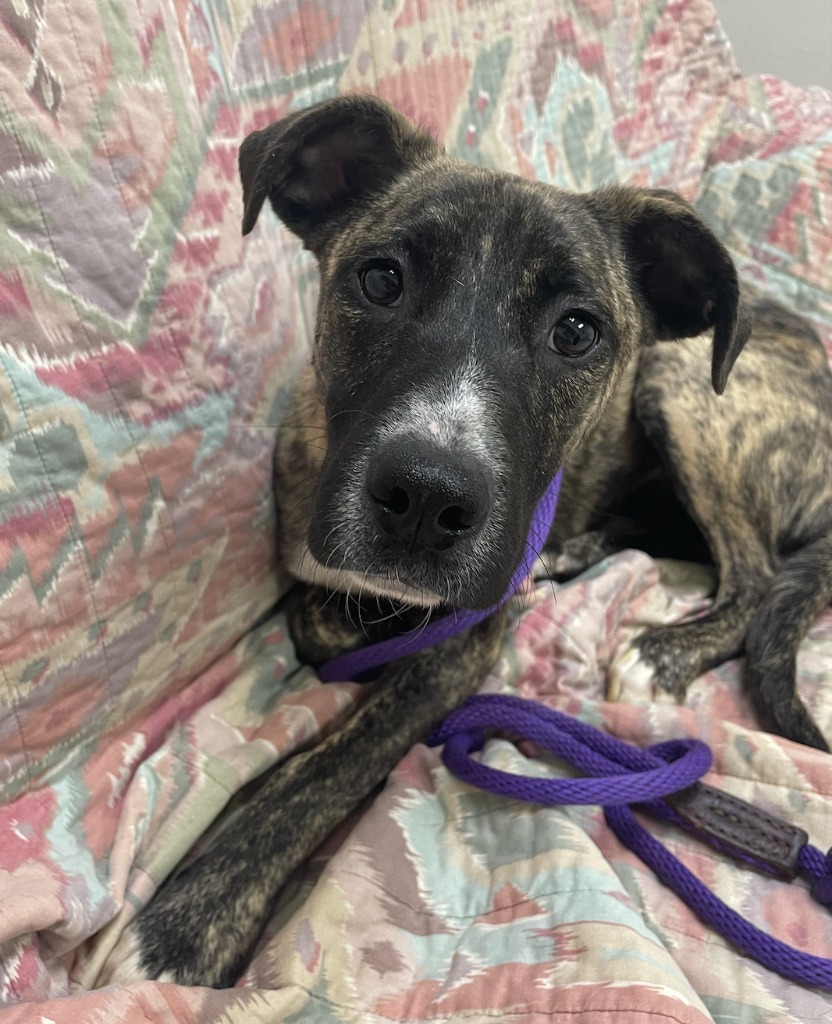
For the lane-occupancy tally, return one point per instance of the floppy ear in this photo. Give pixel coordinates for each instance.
(682, 270)
(317, 165)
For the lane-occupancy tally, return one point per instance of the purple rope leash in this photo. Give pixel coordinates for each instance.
(620, 775)
(355, 663)
(655, 772)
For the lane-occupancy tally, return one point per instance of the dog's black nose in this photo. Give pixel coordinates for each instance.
(427, 497)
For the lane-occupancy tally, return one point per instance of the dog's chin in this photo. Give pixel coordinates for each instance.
(378, 586)
(304, 566)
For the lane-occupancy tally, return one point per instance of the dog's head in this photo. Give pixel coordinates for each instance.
(471, 327)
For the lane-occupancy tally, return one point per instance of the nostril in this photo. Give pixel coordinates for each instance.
(455, 519)
(394, 500)
(398, 501)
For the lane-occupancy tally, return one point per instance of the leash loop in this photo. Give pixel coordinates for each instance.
(660, 770)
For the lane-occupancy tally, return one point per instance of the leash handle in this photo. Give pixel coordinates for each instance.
(654, 773)
(777, 956)
(355, 663)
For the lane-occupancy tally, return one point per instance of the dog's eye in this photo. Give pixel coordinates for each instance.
(574, 334)
(381, 283)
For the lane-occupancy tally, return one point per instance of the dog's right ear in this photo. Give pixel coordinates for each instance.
(684, 273)
(317, 165)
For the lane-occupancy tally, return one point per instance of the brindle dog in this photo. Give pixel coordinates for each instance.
(475, 331)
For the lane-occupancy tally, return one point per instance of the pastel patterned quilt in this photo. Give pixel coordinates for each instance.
(146, 353)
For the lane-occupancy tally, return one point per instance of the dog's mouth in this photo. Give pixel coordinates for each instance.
(395, 590)
(364, 583)
(408, 582)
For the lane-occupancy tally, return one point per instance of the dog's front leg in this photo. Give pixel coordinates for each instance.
(201, 927)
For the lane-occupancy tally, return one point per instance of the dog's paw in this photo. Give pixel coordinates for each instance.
(158, 948)
(125, 964)
(578, 554)
(544, 567)
(672, 667)
(190, 934)
(635, 676)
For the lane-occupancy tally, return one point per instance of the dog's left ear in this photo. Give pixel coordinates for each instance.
(318, 166)
(682, 270)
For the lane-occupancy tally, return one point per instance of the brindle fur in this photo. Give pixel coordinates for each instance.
(489, 258)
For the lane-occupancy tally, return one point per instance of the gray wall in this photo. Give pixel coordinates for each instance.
(791, 39)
